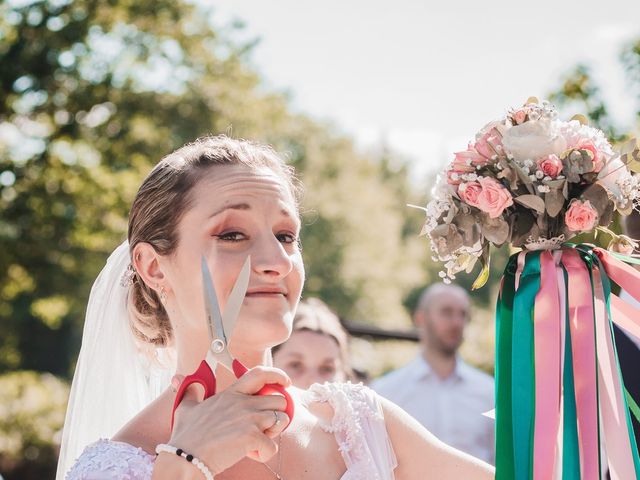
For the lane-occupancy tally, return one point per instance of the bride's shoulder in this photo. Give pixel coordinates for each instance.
(110, 459)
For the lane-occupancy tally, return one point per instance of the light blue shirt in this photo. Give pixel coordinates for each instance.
(450, 408)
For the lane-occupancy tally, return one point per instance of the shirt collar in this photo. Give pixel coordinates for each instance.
(422, 369)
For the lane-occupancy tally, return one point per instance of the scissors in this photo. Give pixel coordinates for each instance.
(220, 328)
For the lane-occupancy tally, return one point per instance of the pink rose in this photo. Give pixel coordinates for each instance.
(489, 144)
(470, 158)
(550, 165)
(581, 216)
(519, 116)
(469, 193)
(494, 198)
(598, 161)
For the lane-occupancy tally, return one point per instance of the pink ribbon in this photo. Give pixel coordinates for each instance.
(612, 407)
(547, 335)
(522, 256)
(624, 275)
(581, 324)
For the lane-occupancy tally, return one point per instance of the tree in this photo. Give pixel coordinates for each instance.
(94, 93)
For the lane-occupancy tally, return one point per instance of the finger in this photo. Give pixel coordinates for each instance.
(176, 380)
(256, 378)
(267, 402)
(194, 393)
(278, 427)
(267, 419)
(262, 448)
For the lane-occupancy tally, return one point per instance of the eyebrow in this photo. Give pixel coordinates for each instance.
(234, 206)
(242, 206)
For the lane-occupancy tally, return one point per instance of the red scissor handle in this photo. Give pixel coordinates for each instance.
(203, 376)
(269, 389)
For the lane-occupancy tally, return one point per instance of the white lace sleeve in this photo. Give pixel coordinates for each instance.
(359, 428)
(107, 460)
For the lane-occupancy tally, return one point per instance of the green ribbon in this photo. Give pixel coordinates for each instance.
(523, 367)
(505, 466)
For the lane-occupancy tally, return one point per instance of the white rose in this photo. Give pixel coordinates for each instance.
(533, 140)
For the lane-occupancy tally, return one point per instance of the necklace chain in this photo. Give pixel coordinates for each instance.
(277, 473)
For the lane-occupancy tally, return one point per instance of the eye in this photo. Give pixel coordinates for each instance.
(231, 236)
(327, 369)
(287, 237)
(295, 366)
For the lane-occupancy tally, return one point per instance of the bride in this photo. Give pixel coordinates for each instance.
(224, 199)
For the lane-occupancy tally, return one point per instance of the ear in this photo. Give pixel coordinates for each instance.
(419, 318)
(146, 262)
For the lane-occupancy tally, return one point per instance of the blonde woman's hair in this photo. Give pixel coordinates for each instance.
(313, 315)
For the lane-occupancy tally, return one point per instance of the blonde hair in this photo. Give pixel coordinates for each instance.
(162, 200)
(313, 315)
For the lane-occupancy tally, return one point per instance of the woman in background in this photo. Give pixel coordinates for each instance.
(317, 350)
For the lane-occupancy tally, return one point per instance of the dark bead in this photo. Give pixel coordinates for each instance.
(189, 458)
(179, 452)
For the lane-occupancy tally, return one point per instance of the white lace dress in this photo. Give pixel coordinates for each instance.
(358, 425)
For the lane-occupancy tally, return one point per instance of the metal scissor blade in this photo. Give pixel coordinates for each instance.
(211, 305)
(234, 302)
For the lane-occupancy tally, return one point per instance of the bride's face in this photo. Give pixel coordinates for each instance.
(236, 212)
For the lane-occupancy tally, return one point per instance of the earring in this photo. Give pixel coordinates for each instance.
(163, 295)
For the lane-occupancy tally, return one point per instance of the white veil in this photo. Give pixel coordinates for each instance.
(113, 380)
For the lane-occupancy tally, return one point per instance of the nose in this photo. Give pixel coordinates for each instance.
(270, 258)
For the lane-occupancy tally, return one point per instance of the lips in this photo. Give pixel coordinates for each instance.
(266, 292)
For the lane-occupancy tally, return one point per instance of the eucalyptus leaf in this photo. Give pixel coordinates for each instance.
(581, 118)
(626, 209)
(468, 226)
(628, 147)
(598, 197)
(519, 238)
(496, 230)
(634, 165)
(553, 202)
(605, 218)
(483, 276)
(557, 184)
(533, 202)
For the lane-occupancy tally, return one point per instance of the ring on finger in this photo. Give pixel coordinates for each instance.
(277, 420)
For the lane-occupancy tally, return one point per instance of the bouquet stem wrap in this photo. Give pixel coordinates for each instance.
(562, 411)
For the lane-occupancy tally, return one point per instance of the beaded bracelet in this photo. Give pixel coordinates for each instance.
(163, 447)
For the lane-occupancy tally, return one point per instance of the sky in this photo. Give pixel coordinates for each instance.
(422, 76)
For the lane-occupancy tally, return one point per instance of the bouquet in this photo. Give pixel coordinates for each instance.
(533, 181)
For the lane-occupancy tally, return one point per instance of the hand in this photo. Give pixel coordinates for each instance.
(234, 423)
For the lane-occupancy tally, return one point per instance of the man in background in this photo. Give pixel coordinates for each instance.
(438, 388)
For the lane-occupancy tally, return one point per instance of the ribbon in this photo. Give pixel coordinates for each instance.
(504, 413)
(547, 369)
(581, 323)
(523, 367)
(557, 371)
